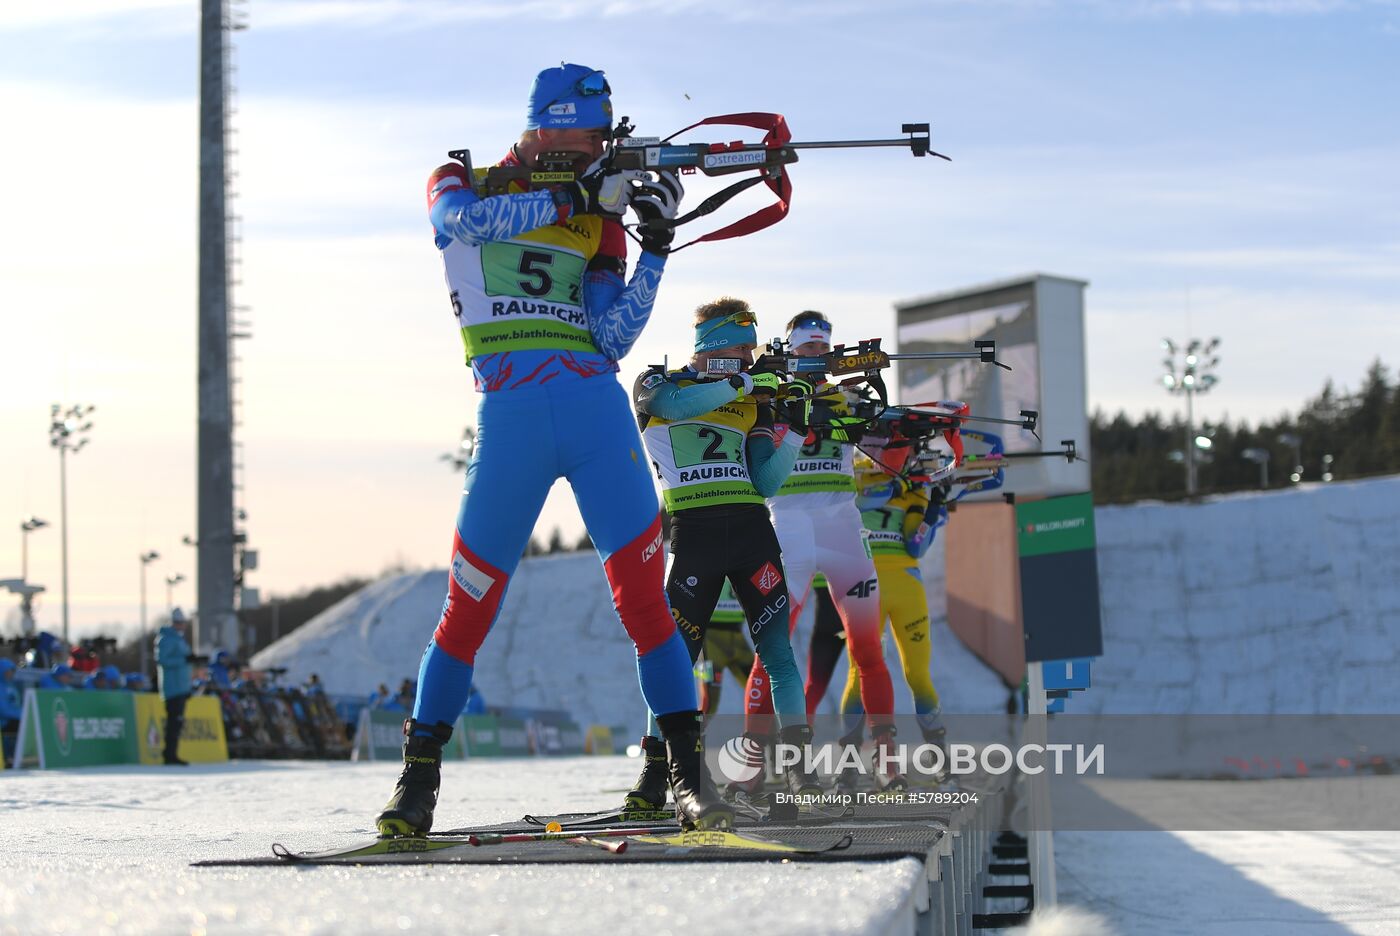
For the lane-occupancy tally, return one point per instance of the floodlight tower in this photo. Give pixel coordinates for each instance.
(215, 384)
(1194, 375)
(68, 431)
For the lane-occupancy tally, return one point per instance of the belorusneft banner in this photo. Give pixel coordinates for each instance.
(75, 729)
(83, 729)
(1081, 772)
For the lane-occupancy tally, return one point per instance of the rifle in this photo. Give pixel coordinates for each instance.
(768, 158)
(859, 364)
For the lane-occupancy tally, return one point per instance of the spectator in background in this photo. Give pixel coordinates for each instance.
(476, 702)
(313, 685)
(135, 682)
(403, 702)
(9, 696)
(96, 679)
(379, 697)
(173, 655)
(83, 660)
(221, 669)
(61, 677)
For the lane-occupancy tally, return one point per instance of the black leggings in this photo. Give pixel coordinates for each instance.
(174, 722)
(711, 544)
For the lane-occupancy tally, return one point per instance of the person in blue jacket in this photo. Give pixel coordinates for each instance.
(10, 695)
(221, 669)
(62, 678)
(176, 671)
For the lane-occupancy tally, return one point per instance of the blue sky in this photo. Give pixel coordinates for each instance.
(1210, 166)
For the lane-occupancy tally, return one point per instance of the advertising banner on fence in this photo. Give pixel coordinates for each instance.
(202, 739)
(514, 737)
(482, 735)
(380, 737)
(78, 729)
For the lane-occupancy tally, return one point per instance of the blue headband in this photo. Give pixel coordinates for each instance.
(727, 334)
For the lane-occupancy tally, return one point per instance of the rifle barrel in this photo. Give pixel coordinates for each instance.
(843, 144)
(937, 356)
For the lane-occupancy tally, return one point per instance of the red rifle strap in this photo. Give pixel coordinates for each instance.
(776, 134)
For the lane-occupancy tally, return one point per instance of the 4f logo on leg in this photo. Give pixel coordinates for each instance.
(862, 589)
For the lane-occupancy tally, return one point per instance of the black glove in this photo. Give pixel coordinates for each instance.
(656, 203)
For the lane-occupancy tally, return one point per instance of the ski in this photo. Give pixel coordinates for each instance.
(614, 841)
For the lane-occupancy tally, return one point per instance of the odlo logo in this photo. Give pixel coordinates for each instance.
(863, 589)
(62, 728)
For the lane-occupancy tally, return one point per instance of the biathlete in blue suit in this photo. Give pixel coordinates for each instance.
(536, 282)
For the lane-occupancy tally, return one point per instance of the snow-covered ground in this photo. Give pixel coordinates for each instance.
(107, 851)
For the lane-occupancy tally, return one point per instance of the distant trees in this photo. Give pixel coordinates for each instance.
(1133, 459)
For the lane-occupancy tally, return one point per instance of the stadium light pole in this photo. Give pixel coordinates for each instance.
(170, 582)
(25, 528)
(1194, 375)
(68, 433)
(1296, 444)
(1260, 456)
(146, 559)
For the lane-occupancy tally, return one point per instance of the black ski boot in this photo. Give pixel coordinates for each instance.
(937, 735)
(698, 803)
(796, 777)
(887, 774)
(852, 766)
(649, 794)
(410, 810)
(753, 750)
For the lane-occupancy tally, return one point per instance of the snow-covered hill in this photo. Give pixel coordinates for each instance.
(1279, 602)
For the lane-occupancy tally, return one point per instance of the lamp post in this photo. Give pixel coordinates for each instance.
(146, 559)
(1260, 456)
(67, 433)
(1193, 375)
(25, 528)
(1296, 444)
(170, 582)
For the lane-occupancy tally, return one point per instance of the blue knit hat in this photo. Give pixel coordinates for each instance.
(569, 96)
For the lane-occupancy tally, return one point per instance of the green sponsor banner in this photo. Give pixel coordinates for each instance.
(514, 738)
(1055, 525)
(385, 740)
(84, 728)
(482, 735)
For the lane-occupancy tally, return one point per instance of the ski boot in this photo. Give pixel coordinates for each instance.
(751, 748)
(887, 775)
(936, 734)
(852, 765)
(649, 793)
(800, 783)
(796, 777)
(698, 803)
(410, 810)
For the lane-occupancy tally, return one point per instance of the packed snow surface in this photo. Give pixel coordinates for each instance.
(107, 851)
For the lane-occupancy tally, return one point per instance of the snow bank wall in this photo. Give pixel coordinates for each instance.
(1287, 602)
(1280, 602)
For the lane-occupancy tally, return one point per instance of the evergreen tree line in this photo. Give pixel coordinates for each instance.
(1136, 459)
